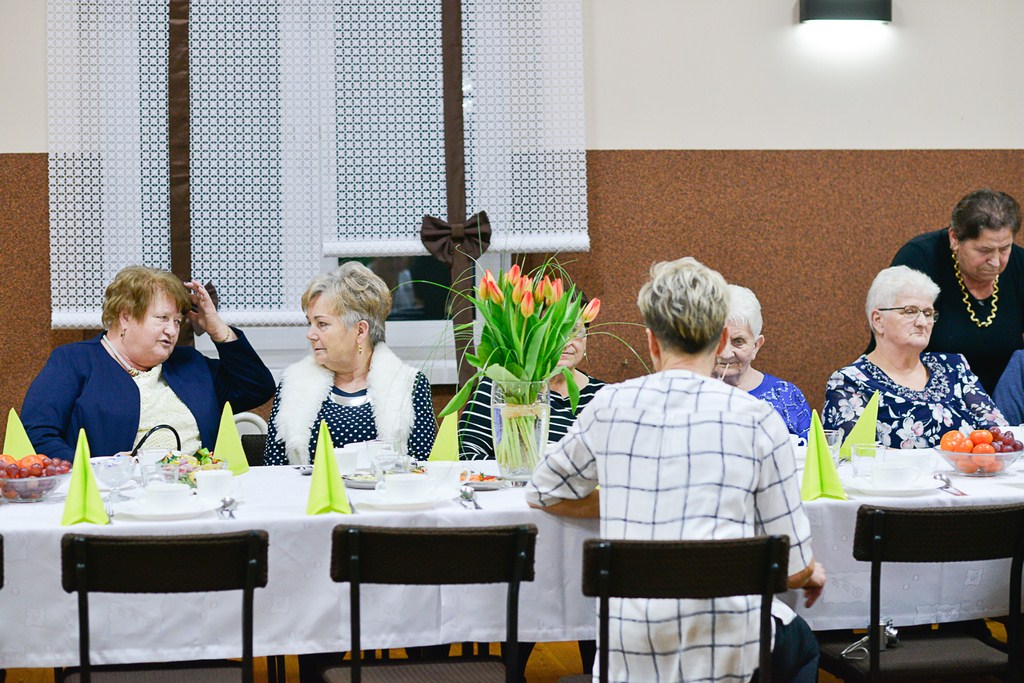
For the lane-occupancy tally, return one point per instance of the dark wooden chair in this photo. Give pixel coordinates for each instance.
(681, 570)
(253, 446)
(379, 555)
(953, 652)
(164, 564)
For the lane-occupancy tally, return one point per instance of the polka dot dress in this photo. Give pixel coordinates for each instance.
(349, 418)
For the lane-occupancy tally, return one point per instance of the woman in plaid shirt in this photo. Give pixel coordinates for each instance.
(679, 455)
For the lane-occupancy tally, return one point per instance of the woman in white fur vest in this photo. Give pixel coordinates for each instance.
(352, 380)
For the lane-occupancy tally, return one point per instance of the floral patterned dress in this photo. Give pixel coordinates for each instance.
(952, 399)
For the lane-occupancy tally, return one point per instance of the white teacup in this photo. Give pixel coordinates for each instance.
(444, 476)
(404, 488)
(150, 456)
(349, 457)
(215, 484)
(888, 474)
(166, 496)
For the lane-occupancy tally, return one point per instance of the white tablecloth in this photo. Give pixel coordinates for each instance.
(301, 610)
(912, 593)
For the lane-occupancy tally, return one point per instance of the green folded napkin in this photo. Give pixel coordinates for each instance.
(229, 443)
(16, 443)
(83, 503)
(865, 430)
(446, 444)
(327, 488)
(820, 477)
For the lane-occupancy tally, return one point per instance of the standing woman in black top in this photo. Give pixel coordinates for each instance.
(980, 272)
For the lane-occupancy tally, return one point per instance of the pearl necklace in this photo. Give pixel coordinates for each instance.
(967, 301)
(134, 372)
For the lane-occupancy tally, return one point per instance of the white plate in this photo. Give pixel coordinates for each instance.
(921, 486)
(358, 483)
(375, 501)
(139, 509)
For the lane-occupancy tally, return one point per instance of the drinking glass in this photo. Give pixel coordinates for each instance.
(114, 472)
(864, 456)
(834, 439)
(385, 464)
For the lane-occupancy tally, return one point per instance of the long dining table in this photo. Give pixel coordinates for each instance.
(912, 593)
(302, 610)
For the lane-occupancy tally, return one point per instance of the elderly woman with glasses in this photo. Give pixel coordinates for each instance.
(922, 395)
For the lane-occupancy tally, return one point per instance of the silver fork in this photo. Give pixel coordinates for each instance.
(947, 485)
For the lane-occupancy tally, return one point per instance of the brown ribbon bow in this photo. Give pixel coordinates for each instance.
(443, 240)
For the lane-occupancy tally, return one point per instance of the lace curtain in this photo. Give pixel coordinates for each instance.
(316, 130)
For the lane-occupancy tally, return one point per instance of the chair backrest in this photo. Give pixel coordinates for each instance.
(253, 445)
(164, 564)
(686, 569)
(250, 423)
(498, 554)
(960, 534)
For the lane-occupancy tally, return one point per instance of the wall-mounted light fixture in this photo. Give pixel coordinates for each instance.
(863, 10)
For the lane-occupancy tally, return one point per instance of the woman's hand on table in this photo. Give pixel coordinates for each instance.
(812, 589)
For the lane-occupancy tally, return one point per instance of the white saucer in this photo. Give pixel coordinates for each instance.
(375, 501)
(919, 487)
(140, 509)
(131, 484)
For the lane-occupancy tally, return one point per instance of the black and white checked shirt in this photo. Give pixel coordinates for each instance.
(681, 456)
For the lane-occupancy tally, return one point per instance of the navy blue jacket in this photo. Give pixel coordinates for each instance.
(81, 386)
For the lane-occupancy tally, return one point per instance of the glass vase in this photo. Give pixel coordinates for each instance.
(520, 415)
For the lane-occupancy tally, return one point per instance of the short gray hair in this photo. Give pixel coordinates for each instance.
(745, 309)
(355, 293)
(896, 282)
(684, 304)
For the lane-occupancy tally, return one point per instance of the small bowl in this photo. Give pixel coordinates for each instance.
(30, 489)
(979, 464)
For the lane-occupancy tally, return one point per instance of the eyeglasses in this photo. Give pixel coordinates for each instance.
(913, 311)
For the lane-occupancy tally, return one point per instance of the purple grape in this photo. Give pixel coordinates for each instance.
(998, 445)
(1007, 437)
(995, 431)
(1018, 446)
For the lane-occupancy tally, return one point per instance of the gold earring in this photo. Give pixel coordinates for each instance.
(122, 333)
(360, 347)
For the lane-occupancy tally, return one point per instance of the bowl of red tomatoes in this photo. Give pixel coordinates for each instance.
(982, 452)
(31, 478)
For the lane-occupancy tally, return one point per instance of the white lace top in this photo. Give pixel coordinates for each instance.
(160, 405)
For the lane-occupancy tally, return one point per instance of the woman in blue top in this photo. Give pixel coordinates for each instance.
(121, 383)
(921, 395)
(733, 364)
(352, 380)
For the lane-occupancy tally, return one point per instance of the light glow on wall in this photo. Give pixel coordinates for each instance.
(844, 39)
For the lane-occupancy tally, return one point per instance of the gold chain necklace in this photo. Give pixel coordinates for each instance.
(967, 300)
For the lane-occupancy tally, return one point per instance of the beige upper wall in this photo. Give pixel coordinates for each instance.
(723, 74)
(744, 74)
(22, 76)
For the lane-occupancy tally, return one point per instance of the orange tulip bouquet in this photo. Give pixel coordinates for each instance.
(527, 321)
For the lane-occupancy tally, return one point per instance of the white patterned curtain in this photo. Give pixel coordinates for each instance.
(316, 130)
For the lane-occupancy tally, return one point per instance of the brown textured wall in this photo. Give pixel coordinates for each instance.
(25, 334)
(806, 230)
